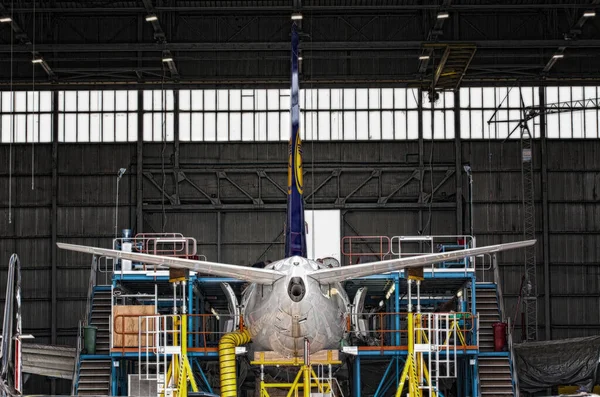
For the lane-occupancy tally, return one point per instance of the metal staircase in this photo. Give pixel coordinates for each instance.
(495, 374)
(453, 66)
(93, 377)
(100, 318)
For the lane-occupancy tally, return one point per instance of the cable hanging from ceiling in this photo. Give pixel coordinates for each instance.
(35, 127)
(11, 117)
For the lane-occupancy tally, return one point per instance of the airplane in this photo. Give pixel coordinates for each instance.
(295, 299)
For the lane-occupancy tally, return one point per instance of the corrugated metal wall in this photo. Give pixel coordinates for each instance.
(85, 198)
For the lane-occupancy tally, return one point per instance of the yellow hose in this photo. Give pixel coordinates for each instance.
(227, 346)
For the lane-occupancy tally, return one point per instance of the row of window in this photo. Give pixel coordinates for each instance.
(263, 114)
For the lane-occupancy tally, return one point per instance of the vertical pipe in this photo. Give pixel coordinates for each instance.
(190, 304)
(421, 161)
(545, 216)
(397, 307)
(356, 376)
(139, 215)
(176, 142)
(474, 309)
(458, 164)
(218, 236)
(54, 223)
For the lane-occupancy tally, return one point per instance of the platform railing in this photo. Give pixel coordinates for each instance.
(357, 248)
(204, 332)
(382, 333)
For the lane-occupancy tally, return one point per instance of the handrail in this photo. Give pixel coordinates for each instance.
(498, 287)
(90, 292)
(513, 362)
(75, 382)
(383, 241)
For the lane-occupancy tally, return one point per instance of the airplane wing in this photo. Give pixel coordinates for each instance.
(253, 275)
(337, 274)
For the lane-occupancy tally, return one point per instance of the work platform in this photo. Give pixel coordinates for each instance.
(377, 333)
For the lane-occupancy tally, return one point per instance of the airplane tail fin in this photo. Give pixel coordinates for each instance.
(295, 230)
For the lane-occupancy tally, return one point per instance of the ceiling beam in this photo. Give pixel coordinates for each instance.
(161, 39)
(284, 46)
(573, 34)
(25, 41)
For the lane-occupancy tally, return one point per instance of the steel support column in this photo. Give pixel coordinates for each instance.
(53, 222)
(545, 220)
(139, 169)
(356, 376)
(421, 162)
(458, 164)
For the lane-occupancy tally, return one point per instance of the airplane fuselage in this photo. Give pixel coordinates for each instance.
(296, 307)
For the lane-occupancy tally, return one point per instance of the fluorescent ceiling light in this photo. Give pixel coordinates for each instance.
(423, 57)
(558, 56)
(151, 18)
(167, 59)
(442, 15)
(296, 16)
(37, 60)
(6, 19)
(589, 14)
(299, 58)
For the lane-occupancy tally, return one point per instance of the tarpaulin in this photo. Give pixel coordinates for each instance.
(558, 362)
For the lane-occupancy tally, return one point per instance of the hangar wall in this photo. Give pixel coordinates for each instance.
(239, 228)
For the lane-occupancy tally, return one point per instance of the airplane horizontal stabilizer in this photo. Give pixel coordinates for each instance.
(250, 274)
(337, 274)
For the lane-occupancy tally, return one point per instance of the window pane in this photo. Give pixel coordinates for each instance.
(222, 100)
(210, 99)
(349, 125)
(45, 128)
(83, 127)
(70, 101)
(108, 101)
(108, 127)
(121, 127)
(235, 126)
(197, 127)
(273, 99)
(324, 99)
(374, 98)
(260, 125)
(247, 127)
(273, 125)
(197, 100)
(412, 125)
(121, 99)
(70, 128)
(96, 99)
(284, 122)
(210, 126)
(362, 125)
(184, 126)
(324, 131)
(222, 126)
(235, 99)
(132, 127)
(95, 127)
(336, 98)
(184, 99)
(349, 98)
(337, 126)
(83, 101)
(375, 125)
(362, 98)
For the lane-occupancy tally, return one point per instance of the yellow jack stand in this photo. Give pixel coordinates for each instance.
(414, 360)
(180, 371)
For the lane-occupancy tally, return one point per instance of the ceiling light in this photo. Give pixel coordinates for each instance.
(215, 313)
(558, 56)
(37, 60)
(589, 14)
(423, 57)
(151, 18)
(442, 15)
(390, 291)
(296, 16)
(299, 58)
(167, 59)
(6, 19)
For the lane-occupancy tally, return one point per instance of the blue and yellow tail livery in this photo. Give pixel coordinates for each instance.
(295, 230)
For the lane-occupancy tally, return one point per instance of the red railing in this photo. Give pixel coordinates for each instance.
(353, 247)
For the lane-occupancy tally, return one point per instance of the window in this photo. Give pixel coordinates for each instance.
(159, 116)
(97, 116)
(494, 112)
(25, 117)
